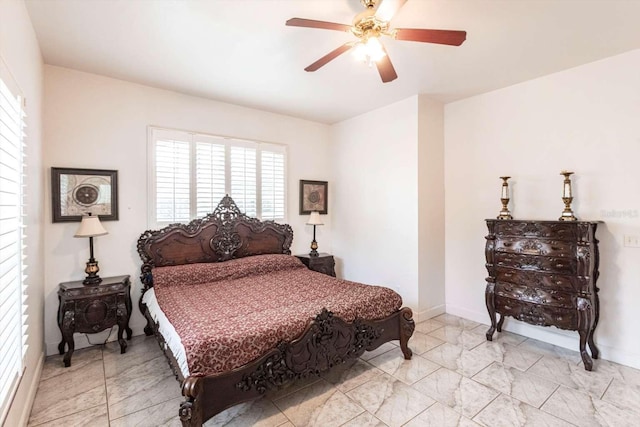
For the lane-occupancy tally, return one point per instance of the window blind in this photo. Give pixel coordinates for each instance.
(272, 171)
(191, 172)
(13, 317)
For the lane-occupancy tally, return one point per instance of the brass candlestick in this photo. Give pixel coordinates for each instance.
(567, 198)
(504, 198)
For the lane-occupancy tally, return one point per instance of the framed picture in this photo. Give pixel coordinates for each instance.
(313, 196)
(76, 192)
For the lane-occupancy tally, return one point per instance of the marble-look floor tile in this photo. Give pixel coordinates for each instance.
(503, 337)
(546, 349)
(93, 417)
(390, 400)
(140, 350)
(257, 413)
(428, 326)
(368, 355)
(450, 319)
(141, 385)
(613, 416)
(319, 404)
(457, 392)
(70, 393)
(506, 411)
(421, 343)
(54, 366)
(575, 407)
(566, 373)
(525, 387)
(161, 415)
(616, 371)
(407, 371)
(458, 336)
(439, 415)
(351, 374)
(292, 387)
(624, 395)
(507, 354)
(458, 359)
(365, 420)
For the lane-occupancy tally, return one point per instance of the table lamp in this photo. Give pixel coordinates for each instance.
(90, 227)
(314, 219)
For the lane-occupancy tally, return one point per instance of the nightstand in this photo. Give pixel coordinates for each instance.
(93, 308)
(323, 263)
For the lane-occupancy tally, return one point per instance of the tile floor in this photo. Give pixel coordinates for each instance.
(456, 378)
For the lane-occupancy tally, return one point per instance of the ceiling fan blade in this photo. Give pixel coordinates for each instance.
(329, 57)
(310, 23)
(385, 68)
(388, 8)
(449, 37)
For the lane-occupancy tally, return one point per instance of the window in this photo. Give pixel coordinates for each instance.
(190, 172)
(13, 327)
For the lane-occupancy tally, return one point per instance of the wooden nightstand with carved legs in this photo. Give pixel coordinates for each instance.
(93, 308)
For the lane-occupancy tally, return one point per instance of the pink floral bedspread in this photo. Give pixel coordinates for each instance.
(230, 313)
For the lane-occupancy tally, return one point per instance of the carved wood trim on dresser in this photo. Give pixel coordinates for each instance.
(544, 273)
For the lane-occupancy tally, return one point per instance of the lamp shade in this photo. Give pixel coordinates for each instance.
(90, 226)
(314, 219)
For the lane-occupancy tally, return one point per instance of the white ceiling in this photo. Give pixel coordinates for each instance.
(240, 51)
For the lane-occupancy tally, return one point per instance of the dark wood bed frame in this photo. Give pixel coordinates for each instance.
(327, 341)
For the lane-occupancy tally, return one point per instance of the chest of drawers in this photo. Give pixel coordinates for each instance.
(544, 273)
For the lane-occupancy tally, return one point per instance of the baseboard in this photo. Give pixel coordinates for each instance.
(33, 388)
(421, 316)
(551, 335)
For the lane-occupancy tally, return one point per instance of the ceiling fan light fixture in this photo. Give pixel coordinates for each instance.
(369, 51)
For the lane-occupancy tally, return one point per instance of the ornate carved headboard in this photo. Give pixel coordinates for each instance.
(222, 235)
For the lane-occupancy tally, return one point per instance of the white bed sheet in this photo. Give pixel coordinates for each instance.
(167, 330)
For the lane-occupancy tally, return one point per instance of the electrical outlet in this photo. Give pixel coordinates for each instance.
(632, 241)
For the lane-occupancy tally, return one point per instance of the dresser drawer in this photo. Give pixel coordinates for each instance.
(535, 314)
(557, 230)
(535, 295)
(558, 265)
(534, 246)
(544, 280)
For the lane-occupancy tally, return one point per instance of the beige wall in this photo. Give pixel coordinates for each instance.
(585, 120)
(431, 206)
(20, 51)
(98, 122)
(389, 202)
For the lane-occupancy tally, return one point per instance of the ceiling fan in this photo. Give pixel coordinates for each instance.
(368, 26)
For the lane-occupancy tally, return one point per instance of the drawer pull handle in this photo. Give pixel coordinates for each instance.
(558, 282)
(559, 265)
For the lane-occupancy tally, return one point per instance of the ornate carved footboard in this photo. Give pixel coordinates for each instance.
(326, 342)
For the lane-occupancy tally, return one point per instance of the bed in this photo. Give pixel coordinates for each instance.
(236, 315)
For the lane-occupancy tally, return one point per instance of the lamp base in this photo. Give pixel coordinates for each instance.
(92, 273)
(95, 280)
(314, 248)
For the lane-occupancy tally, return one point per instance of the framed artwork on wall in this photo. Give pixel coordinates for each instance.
(313, 196)
(78, 192)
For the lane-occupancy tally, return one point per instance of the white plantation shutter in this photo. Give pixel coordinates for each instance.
(13, 318)
(191, 172)
(210, 176)
(243, 179)
(272, 188)
(172, 179)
